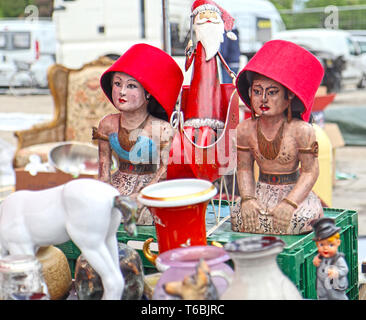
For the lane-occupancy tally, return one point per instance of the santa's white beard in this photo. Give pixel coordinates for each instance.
(211, 36)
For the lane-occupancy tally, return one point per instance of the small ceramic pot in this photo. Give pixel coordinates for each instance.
(56, 272)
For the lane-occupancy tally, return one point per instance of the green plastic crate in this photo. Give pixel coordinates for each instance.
(295, 260)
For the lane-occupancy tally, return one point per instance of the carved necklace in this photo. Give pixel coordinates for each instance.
(124, 135)
(270, 149)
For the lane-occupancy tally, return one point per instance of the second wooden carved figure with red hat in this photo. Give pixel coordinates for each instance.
(143, 85)
(278, 85)
(208, 109)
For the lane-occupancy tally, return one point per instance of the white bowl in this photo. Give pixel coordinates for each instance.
(75, 158)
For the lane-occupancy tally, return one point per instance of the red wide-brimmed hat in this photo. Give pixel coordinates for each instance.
(289, 64)
(157, 72)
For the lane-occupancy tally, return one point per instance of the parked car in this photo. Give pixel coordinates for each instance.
(333, 68)
(361, 40)
(360, 37)
(337, 42)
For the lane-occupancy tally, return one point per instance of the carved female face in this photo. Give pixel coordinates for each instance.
(268, 97)
(127, 93)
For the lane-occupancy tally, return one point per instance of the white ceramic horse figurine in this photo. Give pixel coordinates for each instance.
(87, 211)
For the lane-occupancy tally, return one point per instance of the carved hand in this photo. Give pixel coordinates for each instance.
(282, 215)
(250, 210)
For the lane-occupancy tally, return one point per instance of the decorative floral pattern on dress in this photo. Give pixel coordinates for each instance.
(269, 196)
(127, 184)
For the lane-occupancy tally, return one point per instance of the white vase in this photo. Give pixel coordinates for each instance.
(257, 275)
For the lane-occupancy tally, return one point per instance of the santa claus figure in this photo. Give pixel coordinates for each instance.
(204, 98)
(205, 103)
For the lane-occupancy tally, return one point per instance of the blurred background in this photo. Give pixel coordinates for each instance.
(35, 34)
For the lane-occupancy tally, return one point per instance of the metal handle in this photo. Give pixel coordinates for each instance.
(147, 252)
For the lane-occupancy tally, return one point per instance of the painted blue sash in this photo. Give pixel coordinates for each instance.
(144, 150)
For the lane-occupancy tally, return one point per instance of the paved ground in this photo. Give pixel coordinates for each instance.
(349, 193)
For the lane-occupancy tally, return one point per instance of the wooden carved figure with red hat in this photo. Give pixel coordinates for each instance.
(143, 85)
(278, 85)
(208, 109)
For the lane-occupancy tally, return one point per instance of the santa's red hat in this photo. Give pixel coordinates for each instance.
(202, 5)
(289, 64)
(157, 72)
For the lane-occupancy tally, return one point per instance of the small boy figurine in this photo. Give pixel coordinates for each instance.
(332, 269)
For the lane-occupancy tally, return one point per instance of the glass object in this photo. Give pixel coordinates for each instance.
(21, 278)
(88, 284)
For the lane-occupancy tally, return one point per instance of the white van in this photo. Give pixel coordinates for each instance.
(88, 29)
(360, 37)
(338, 42)
(256, 20)
(27, 41)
